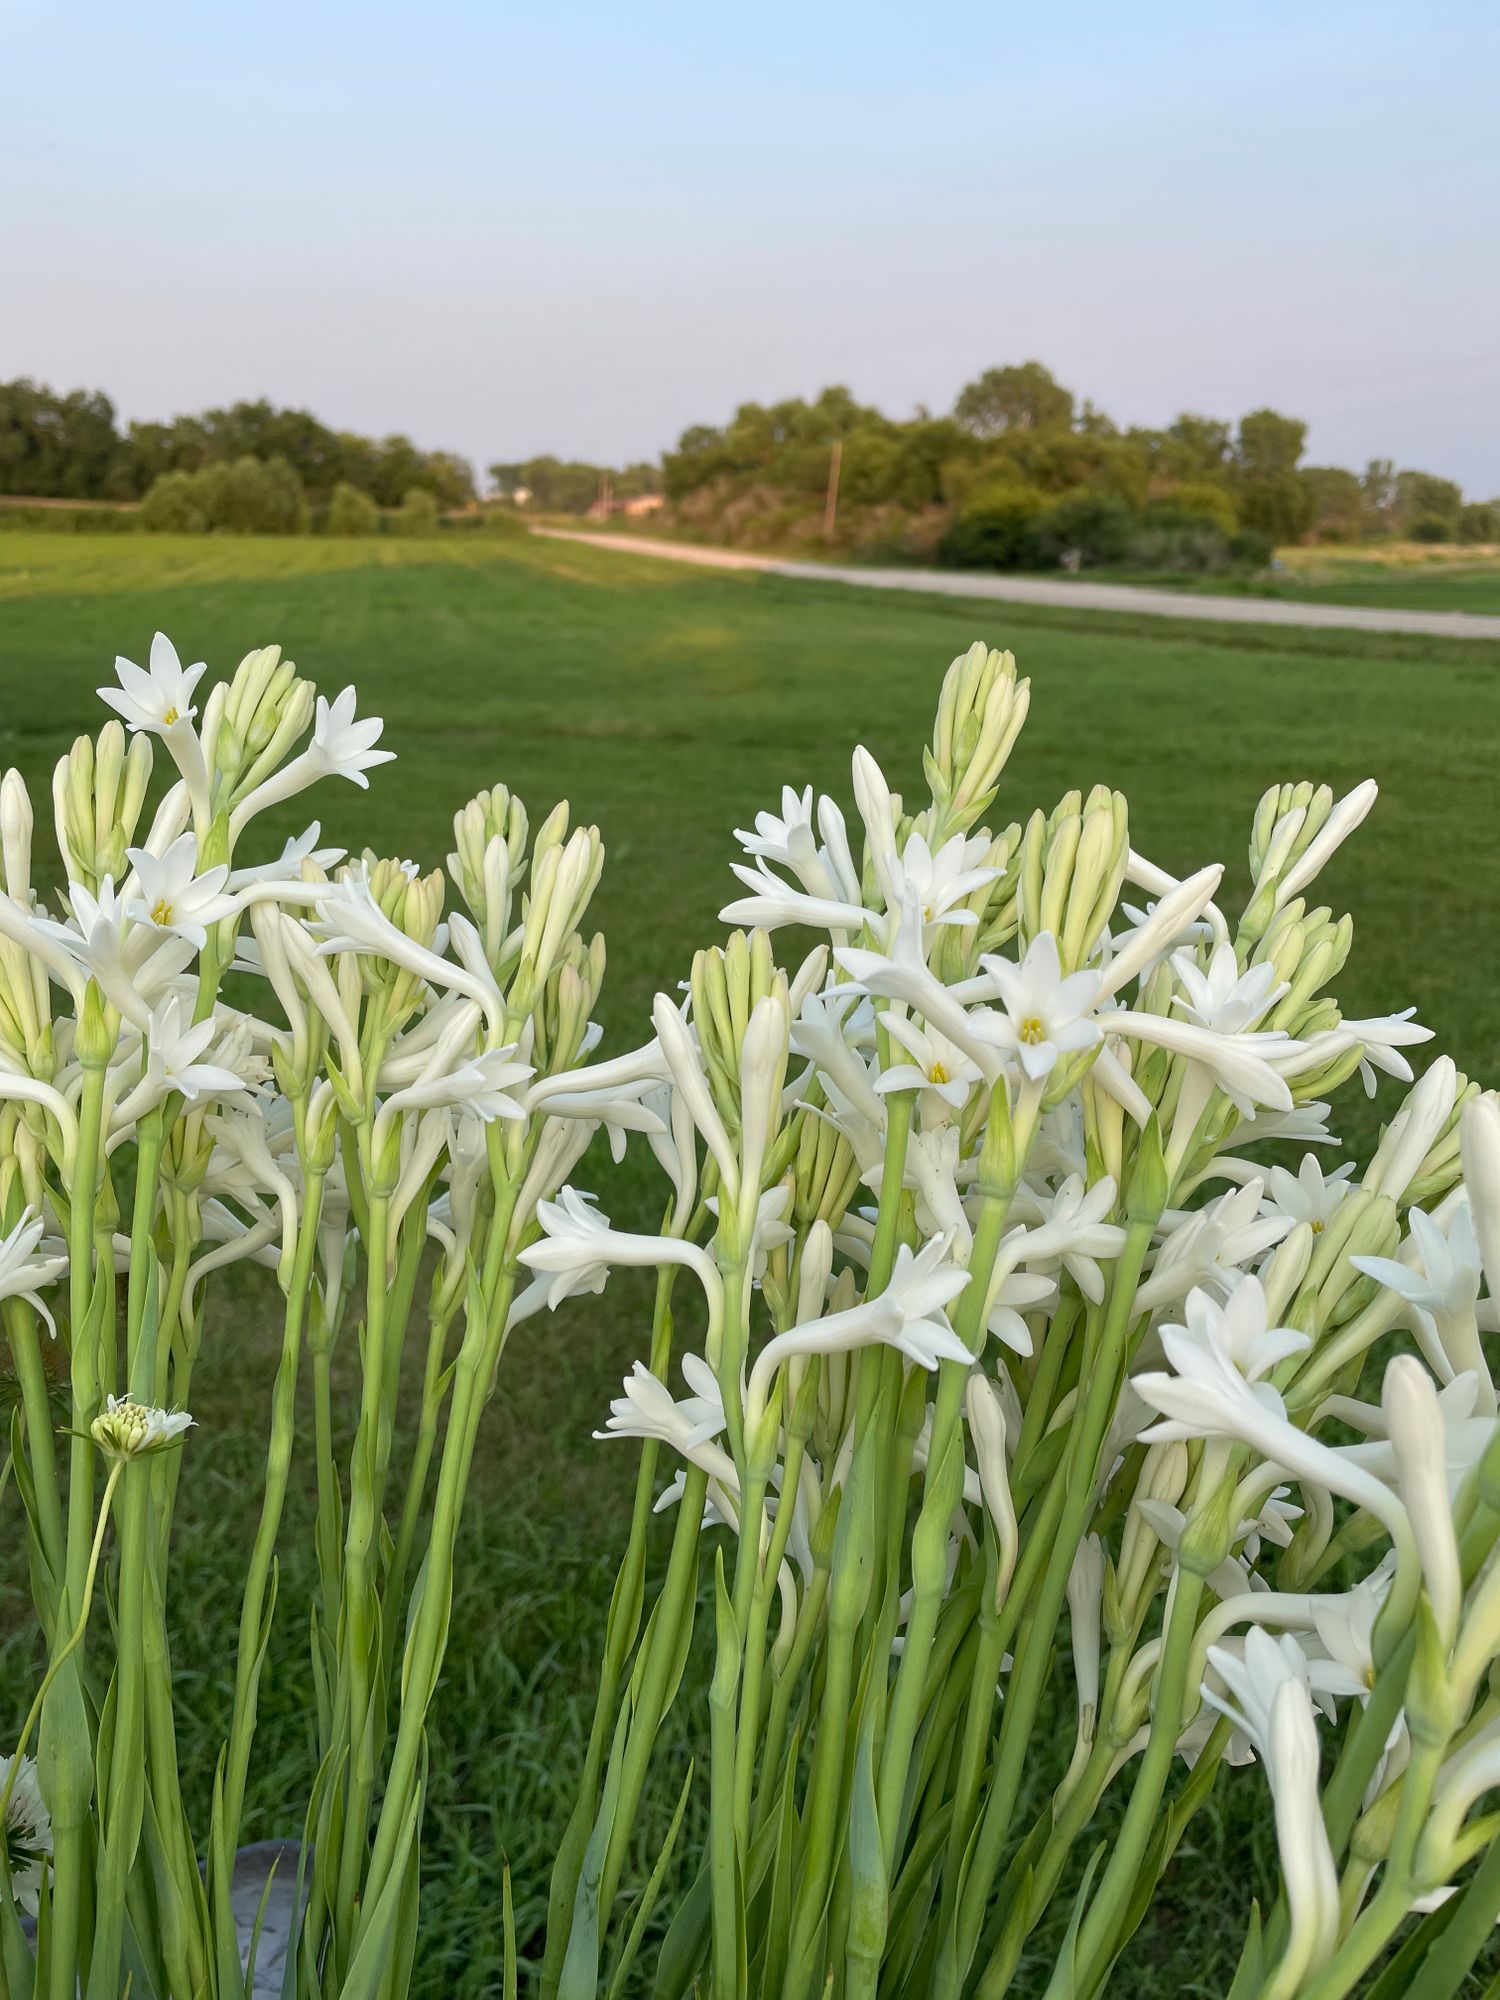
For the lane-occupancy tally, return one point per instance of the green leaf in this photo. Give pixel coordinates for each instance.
(1063, 1984)
(649, 1894)
(1250, 1972)
(378, 1956)
(580, 1971)
(869, 1896)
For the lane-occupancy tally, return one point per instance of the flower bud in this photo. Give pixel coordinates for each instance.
(980, 712)
(94, 1039)
(825, 1173)
(15, 836)
(1209, 1531)
(1147, 1184)
(1414, 1421)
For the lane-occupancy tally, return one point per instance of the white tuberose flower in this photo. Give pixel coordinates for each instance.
(172, 1053)
(1222, 997)
(159, 700)
(22, 1271)
(1046, 1015)
(26, 1836)
(1269, 1699)
(938, 1067)
(343, 746)
(907, 1315)
(173, 896)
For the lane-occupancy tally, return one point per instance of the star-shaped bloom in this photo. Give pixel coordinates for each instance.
(159, 700)
(1309, 1195)
(23, 1272)
(1046, 1015)
(173, 896)
(173, 1050)
(344, 746)
(938, 1069)
(1220, 996)
(1208, 1246)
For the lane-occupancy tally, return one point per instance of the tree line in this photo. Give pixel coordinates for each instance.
(70, 446)
(1020, 473)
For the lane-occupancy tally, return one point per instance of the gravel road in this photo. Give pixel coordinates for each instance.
(1072, 595)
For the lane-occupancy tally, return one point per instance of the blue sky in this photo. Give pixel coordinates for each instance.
(580, 228)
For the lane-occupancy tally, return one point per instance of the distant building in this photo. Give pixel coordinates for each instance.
(638, 503)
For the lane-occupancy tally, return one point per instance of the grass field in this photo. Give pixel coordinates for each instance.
(669, 705)
(1408, 576)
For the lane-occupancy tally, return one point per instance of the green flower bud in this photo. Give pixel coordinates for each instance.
(980, 712)
(1147, 1185)
(1209, 1532)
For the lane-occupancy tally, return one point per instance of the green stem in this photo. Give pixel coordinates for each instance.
(250, 1650)
(1098, 1936)
(1074, 1483)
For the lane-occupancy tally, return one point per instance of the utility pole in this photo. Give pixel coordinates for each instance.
(831, 505)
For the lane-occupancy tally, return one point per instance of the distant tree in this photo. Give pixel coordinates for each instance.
(247, 497)
(1479, 521)
(417, 514)
(59, 447)
(997, 527)
(506, 479)
(252, 496)
(1272, 499)
(1096, 528)
(1338, 502)
(1269, 444)
(560, 486)
(172, 506)
(1203, 444)
(1092, 422)
(1022, 397)
(351, 512)
(1197, 501)
(1422, 498)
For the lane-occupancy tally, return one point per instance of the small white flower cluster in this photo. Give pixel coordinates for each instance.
(1009, 1315)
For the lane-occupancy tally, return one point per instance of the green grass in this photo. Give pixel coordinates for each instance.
(669, 705)
(1434, 589)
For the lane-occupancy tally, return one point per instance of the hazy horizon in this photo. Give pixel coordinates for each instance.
(505, 233)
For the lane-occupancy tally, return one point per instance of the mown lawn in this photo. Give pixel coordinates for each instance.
(668, 705)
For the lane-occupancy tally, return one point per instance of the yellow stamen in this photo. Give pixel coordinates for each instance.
(170, 717)
(938, 1073)
(1031, 1030)
(161, 911)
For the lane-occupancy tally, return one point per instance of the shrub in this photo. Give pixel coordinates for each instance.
(998, 527)
(73, 520)
(173, 506)
(254, 496)
(1183, 545)
(1431, 528)
(1194, 501)
(1479, 521)
(251, 496)
(1091, 527)
(1251, 548)
(351, 512)
(417, 514)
